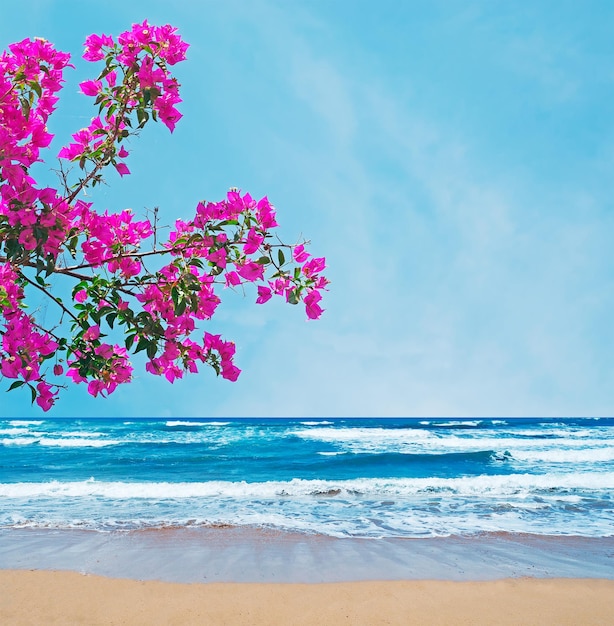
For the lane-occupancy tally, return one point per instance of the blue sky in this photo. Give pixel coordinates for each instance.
(452, 160)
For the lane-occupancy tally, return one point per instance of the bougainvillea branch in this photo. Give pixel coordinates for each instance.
(50, 233)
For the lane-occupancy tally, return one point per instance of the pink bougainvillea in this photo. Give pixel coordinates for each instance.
(47, 231)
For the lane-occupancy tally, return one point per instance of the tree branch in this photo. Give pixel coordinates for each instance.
(56, 300)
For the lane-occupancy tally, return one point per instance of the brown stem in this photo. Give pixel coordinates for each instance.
(56, 300)
(110, 141)
(134, 255)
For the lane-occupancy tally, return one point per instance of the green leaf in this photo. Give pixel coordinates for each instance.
(50, 266)
(263, 260)
(152, 348)
(142, 116)
(16, 385)
(176, 296)
(180, 308)
(72, 244)
(129, 342)
(33, 392)
(142, 344)
(111, 317)
(281, 257)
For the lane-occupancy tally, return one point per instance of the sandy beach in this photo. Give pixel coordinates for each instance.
(236, 576)
(63, 598)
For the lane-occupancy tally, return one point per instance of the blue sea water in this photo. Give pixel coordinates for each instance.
(338, 477)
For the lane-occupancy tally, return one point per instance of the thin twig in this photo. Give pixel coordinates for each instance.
(56, 300)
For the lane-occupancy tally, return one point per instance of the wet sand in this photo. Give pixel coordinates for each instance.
(233, 554)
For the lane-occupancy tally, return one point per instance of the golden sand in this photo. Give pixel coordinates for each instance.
(68, 598)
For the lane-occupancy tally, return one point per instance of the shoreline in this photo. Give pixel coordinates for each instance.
(257, 577)
(255, 555)
(51, 597)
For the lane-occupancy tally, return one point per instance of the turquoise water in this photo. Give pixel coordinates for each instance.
(339, 477)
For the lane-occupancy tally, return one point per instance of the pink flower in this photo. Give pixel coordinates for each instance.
(92, 333)
(232, 279)
(218, 257)
(95, 252)
(167, 113)
(95, 386)
(251, 271)
(74, 374)
(40, 137)
(129, 267)
(264, 294)
(81, 296)
(253, 242)
(122, 168)
(91, 87)
(46, 397)
(313, 309)
(314, 266)
(300, 254)
(72, 151)
(230, 372)
(10, 367)
(266, 214)
(94, 45)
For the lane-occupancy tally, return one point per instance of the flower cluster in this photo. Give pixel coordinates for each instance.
(24, 347)
(48, 232)
(134, 85)
(31, 73)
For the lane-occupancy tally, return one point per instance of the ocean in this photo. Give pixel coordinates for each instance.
(367, 478)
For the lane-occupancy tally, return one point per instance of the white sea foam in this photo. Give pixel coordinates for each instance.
(365, 435)
(25, 422)
(521, 485)
(318, 423)
(77, 442)
(421, 441)
(174, 423)
(587, 455)
(18, 441)
(14, 431)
